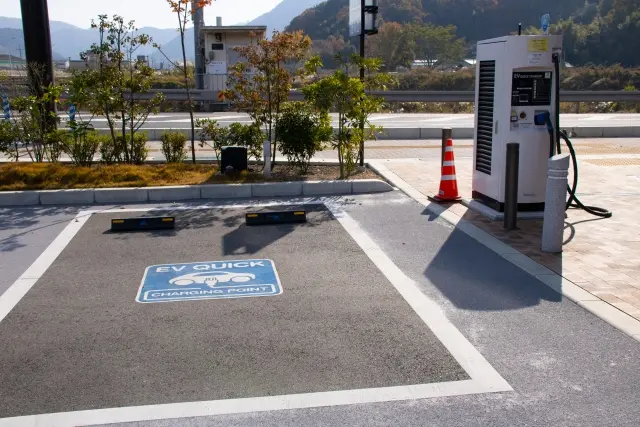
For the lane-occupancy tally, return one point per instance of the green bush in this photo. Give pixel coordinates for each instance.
(8, 135)
(139, 151)
(302, 133)
(250, 136)
(110, 153)
(213, 135)
(173, 146)
(55, 143)
(81, 148)
(114, 153)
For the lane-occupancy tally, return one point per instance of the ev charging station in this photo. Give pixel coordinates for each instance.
(516, 98)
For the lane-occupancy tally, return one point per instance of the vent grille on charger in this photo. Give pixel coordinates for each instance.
(484, 127)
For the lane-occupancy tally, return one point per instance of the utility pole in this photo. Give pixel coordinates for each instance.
(362, 37)
(198, 23)
(367, 8)
(362, 56)
(19, 49)
(37, 46)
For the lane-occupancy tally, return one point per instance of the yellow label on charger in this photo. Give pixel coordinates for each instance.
(539, 45)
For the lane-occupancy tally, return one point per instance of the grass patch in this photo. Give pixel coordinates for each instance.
(50, 176)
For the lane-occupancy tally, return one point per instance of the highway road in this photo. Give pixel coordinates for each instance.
(402, 120)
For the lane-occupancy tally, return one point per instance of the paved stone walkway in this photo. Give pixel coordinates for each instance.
(600, 255)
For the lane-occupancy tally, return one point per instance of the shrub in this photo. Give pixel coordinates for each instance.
(173, 146)
(250, 136)
(302, 133)
(210, 130)
(139, 151)
(82, 147)
(55, 143)
(8, 136)
(112, 153)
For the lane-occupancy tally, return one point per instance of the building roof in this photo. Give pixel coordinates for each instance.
(7, 57)
(236, 28)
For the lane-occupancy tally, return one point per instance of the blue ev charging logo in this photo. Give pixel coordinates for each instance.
(209, 280)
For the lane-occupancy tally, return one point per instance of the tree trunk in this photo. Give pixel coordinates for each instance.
(123, 141)
(186, 83)
(270, 118)
(340, 158)
(121, 99)
(131, 130)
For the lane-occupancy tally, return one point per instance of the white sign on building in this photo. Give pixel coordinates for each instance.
(217, 67)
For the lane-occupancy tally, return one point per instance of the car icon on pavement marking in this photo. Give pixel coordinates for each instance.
(210, 278)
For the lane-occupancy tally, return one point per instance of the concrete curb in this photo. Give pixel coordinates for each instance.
(192, 192)
(601, 309)
(19, 198)
(67, 197)
(495, 215)
(122, 195)
(324, 188)
(275, 189)
(225, 191)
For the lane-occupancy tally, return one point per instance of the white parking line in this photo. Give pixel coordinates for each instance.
(460, 348)
(24, 283)
(484, 378)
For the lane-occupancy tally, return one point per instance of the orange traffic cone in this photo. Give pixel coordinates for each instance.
(448, 182)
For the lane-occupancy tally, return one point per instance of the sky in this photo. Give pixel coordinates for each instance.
(146, 13)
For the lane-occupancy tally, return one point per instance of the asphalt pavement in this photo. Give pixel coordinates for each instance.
(337, 325)
(80, 341)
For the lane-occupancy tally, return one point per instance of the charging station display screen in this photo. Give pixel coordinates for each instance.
(531, 88)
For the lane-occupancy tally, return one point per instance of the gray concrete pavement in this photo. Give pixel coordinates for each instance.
(567, 367)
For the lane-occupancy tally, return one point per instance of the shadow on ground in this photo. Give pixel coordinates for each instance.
(240, 239)
(17, 222)
(474, 277)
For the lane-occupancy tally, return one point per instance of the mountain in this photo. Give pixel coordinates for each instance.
(68, 40)
(596, 32)
(16, 23)
(160, 35)
(12, 42)
(281, 15)
(474, 19)
(173, 49)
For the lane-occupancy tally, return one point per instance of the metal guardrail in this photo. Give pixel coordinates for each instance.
(409, 96)
(417, 96)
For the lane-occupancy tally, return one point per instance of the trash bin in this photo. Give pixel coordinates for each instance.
(234, 156)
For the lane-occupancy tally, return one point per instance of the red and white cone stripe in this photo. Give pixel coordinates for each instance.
(448, 181)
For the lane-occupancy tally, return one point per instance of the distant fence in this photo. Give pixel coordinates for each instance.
(212, 96)
(414, 96)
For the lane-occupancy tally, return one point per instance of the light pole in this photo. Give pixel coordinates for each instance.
(367, 8)
(37, 44)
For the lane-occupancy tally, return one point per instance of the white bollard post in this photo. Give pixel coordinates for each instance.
(555, 204)
(266, 149)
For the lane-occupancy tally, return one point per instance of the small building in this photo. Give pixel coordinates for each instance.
(438, 65)
(10, 62)
(219, 55)
(91, 61)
